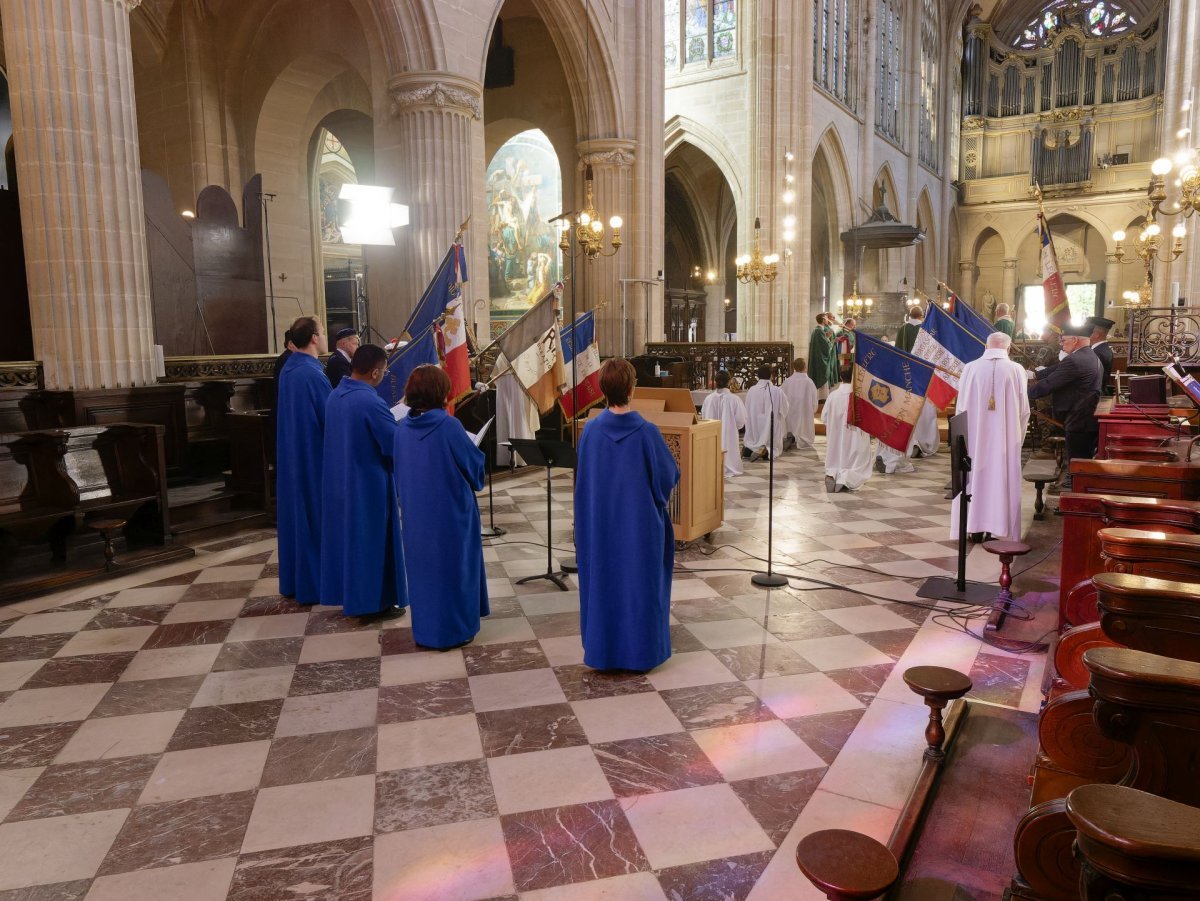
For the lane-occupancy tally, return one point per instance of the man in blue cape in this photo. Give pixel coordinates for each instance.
(624, 539)
(300, 434)
(362, 566)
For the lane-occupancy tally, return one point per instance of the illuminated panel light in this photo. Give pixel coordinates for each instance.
(371, 215)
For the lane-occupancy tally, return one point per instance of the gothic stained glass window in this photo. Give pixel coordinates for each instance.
(928, 123)
(699, 31)
(832, 50)
(1099, 18)
(887, 65)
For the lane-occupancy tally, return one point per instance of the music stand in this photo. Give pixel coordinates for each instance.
(489, 399)
(770, 579)
(548, 454)
(958, 589)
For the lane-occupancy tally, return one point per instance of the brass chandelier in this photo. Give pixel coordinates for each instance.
(856, 306)
(754, 266)
(589, 227)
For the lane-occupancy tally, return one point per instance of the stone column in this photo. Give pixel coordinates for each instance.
(426, 151)
(1112, 280)
(966, 280)
(599, 285)
(76, 142)
(1008, 291)
(714, 312)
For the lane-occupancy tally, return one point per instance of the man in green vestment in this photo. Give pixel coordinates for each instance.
(1004, 321)
(822, 356)
(906, 337)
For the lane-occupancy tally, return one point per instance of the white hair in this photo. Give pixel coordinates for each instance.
(1002, 310)
(1000, 340)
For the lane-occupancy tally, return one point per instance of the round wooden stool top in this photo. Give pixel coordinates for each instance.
(106, 525)
(937, 682)
(1002, 547)
(846, 864)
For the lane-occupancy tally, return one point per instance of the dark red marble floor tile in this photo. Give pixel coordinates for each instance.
(330, 621)
(85, 787)
(580, 682)
(727, 704)
(555, 625)
(915, 615)
(893, 537)
(322, 755)
(80, 670)
(706, 610)
(763, 661)
(482, 660)
(330, 871)
(22, 746)
(177, 635)
(128, 617)
(271, 605)
(181, 579)
(246, 561)
(798, 626)
(424, 700)
(335, 675)
(504, 608)
(59, 891)
(863, 682)
(725, 879)
(398, 641)
(893, 642)
(998, 680)
(226, 724)
(776, 801)
(148, 696)
(270, 571)
(525, 729)
(85, 604)
(837, 599)
(577, 843)
(258, 654)
(683, 640)
(432, 795)
(732, 586)
(826, 733)
(639, 766)
(159, 835)
(32, 647)
(217, 591)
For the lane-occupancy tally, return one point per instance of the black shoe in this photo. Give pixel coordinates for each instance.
(879, 465)
(384, 615)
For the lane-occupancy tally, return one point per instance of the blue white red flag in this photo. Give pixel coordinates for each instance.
(965, 313)
(890, 386)
(582, 357)
(1058, 311)
(948, 345)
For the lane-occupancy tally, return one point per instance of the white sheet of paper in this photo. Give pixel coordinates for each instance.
(399, 411)
(477, 437)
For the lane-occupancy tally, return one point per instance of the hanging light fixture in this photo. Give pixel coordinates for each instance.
(754, 266)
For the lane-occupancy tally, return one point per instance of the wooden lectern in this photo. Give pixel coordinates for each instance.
(697, 505)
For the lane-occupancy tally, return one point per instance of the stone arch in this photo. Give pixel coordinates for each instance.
(832, 212)
(926, 278)
(883, 177)
(680, 130)
(833, 147)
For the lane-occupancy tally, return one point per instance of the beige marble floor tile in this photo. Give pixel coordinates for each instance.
(49, 623)
(242, 573)
(526, 688)
(340, 646)
(547, 779)
(285, 625)
(433, 666)
(566, 650)
(207, 880)
(455, 862)
(632, 887)
(867, 619)
(625, 716)
(506, 629)
(550, 602)
(693, 824)
(106, 641)
(204, 611)
(803, 695)
(14, 784)
(145, 597)
(755, 749)
(57, 849)
(121, 736)
(64, 704)
(690, 669)
(15, 673)
(425, 742)
(328, 712)
(264, 588)
(311, 812)
(838, 652)
(731, 633)
(163, 663)
(199, 772)
(882, 757)
(239, 686)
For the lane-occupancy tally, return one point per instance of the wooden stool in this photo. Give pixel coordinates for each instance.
(1134, 844)
(108, 529)
(938, 686)
(1040, 475)
(846, 865)
(1057, 445)
(1006, 551)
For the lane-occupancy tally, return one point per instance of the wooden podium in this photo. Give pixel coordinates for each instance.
(697, 505)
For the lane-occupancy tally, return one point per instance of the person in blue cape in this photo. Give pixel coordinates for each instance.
(299, 439)
(624, 540)
(438, 470)
(362, 566)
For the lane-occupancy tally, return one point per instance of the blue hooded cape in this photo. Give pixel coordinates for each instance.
(438, 470)
(362, 566)
(300, 434)
(624, 542)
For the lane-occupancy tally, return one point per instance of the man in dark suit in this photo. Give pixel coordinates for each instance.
(1099, 338)
(339, 366)
(1073, 387)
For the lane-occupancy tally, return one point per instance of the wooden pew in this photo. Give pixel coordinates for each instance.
(1177, 480)
(1120, 423)
(251, 455)
(1084, 515)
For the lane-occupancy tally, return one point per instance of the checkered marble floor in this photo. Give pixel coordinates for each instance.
(187, 733)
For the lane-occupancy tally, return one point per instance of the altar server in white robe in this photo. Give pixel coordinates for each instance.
(801, 395)
(847, 448)
(992, 391)
(761, 400)
(924, 443)
(726, 406)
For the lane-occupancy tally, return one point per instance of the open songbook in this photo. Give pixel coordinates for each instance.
(1180, 377)
(400, 410)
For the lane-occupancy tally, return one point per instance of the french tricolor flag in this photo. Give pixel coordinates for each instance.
(582, 359)
(890, 387)
(1058, 311)
(948, 345)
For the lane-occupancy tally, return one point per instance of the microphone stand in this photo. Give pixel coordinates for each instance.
(491, 530)
(770, 579)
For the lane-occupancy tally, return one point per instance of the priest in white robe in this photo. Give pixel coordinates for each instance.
(761, 400)
(801, 396)
(727, 407)
(847, 448)
(992, 392)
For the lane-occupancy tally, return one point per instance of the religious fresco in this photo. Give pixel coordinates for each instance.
(334, 170)
(524, 187)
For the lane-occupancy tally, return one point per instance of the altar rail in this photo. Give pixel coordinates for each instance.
(1157, 334)
(740, 358)
(218, 368)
